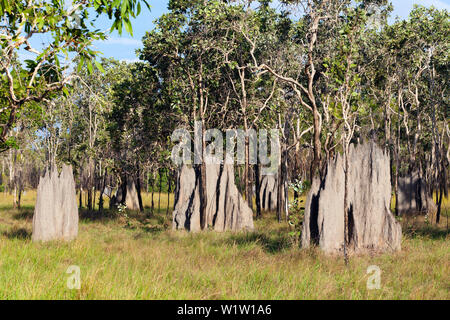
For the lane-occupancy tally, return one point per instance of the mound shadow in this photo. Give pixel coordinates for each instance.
(24, 213)
(430, 232)
(17, 233)
(87, 215)
(271, 244)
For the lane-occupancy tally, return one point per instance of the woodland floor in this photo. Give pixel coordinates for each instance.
(139, 257)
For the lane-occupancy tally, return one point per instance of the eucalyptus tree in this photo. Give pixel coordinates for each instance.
(183, 50)
(138, 124)
(84, 114)
(298, 64)
(71, 31)
(25, 159)
(250, 96)
(416, 60)
(343, 69)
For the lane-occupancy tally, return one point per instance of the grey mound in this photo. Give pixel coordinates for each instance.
(56, 212)
(412, 196)
(131, 199)
(268, 192)
(225, 208)
(371, 226)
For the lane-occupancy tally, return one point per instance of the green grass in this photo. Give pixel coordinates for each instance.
(141, 258)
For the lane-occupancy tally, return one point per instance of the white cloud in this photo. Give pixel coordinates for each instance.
(122, 41)
(130, 60)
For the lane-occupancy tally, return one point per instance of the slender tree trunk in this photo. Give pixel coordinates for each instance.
(153, 192)
(439, 204)
(282, 176)
(203, 196)
(250, 187)
(316, 164)
(281, 192)
(247, 173)
(90, 186)
(258, 191)
(160, 186)
(15, 196)
(168, 193)
(297, 168)
(241, 186)
(123, 186)
(346, 209)
(397, 165)
(19, 197)
(285, 186)
(138, 189)
(102, 190)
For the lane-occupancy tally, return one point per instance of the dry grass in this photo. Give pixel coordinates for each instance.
(141, 258)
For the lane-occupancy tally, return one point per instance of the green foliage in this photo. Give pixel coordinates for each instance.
(296, 211)
(71, 30)
(160, 181)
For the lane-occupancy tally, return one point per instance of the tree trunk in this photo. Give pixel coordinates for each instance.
(397, 165)
(168, 193)
(160, 186)
(90, 185)
(346, 239)
(439, 204)
(249, 195)
(258, 191)
(247, 173)
(123, 186)
(15, 196)
(153, 192)
(138, 189)
(102, 190)
(203, 196)
(317, 145)
(297, 168)
(281, 192)
(202, 173)
(19, 197)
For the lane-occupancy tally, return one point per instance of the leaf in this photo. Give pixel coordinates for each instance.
(99, 66)
(65, 92)
(138, 8)
(80, 63)
(124, 8)
(128, 26)
(89, 66)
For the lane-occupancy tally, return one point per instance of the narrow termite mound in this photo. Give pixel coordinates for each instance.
(412, 196)
(128, 197)
(225, 208)
(371, 224)
(56, 212)
(268, 192)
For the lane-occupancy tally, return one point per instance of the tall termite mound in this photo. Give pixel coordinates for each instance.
(225, 208)
(371, 224)
(56, 212)
(413, 197)
(268, 192)
(126, 194)
(131, 199)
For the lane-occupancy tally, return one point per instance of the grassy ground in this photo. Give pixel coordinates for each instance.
(139, 257)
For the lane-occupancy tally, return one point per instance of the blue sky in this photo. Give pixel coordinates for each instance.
(124, 48)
